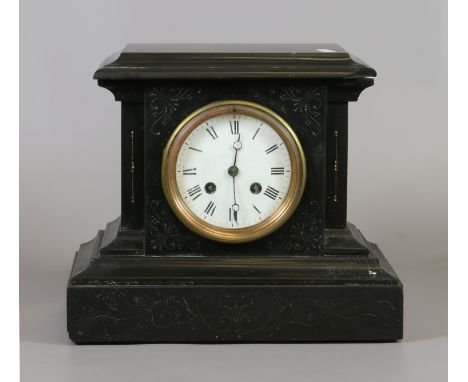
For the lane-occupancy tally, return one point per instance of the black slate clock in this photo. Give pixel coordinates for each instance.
(233, 204)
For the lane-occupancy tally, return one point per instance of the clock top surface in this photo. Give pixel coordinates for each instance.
(321, 49)
(232, 61)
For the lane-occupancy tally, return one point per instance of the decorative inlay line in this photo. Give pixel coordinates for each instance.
(132, 165)
(335, 167)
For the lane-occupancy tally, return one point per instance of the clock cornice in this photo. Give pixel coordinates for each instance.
(233, 61)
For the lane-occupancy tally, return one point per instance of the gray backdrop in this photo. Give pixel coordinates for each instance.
(69, 175)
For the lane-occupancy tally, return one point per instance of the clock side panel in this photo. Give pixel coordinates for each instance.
(301, 104)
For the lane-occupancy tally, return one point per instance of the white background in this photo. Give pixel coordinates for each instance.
(70, 162)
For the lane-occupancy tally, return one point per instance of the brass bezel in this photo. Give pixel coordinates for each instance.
(236, 235)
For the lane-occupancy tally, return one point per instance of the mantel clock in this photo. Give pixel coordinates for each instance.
(233, 203)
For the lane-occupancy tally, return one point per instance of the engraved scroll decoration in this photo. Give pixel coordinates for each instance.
(166, 236)
(165, 232)
(306, 101)
(303, 236)
(164, 103)
(227, 314)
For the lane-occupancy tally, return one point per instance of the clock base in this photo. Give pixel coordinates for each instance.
(131, 299)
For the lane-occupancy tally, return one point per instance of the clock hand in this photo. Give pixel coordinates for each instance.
(237, 146)
(234, 188)
(233, 171)
(235, 208)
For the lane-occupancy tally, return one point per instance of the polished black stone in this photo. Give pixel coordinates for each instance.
(208, 299)
(216, 61)
(147, 278)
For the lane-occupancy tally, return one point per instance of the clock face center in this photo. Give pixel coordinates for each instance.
(233, 171)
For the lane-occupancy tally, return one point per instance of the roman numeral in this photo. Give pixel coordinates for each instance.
(271, 192)
(212, 132)
(210, 208)
(194, 149)
(232, 215)
(234, 127)
(189, 171)
(277, 171)
(194, 192)
(256, 209)
(256, 133)
(271, 149)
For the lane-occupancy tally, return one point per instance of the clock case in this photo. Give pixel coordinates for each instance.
(147, 278)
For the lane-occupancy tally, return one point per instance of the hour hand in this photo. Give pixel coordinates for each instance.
(235, 210)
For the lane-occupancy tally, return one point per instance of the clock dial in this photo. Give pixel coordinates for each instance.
(233, 171)
(239, 173)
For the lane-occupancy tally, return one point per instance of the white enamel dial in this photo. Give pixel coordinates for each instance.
(233, 171)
